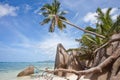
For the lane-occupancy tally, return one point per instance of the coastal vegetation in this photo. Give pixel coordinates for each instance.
(99, 47)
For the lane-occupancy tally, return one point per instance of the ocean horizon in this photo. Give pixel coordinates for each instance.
(9, 70)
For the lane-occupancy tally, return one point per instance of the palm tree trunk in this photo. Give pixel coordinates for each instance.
(83, 29)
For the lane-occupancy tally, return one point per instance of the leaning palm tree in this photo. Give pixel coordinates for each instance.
(52, 13)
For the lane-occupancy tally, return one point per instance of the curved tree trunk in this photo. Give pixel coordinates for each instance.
(93, 33)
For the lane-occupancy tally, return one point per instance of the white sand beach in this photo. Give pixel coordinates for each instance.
(72, 77)
(12, 75)
(9, 71)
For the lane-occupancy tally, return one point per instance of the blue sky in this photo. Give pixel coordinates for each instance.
(23, 39)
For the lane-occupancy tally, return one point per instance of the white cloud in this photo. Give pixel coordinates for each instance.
(49, 44)
(6, 9)
(113, 11)
(91, 16)
(114, 16)
(46, 47)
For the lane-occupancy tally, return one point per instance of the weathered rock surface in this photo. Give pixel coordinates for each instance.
(61, 59)
(65, 61)
(28, 71)
(69, 61)
(73, 63)
(111, 72)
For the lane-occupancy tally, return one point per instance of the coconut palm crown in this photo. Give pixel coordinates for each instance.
(52, 14)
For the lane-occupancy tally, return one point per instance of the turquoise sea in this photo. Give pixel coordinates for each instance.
(9, 70)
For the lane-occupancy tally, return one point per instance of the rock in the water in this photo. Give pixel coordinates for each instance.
(28, 71)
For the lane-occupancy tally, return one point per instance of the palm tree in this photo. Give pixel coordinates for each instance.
(52, 13)
(106, 25)
(104, 22)
(103, 25)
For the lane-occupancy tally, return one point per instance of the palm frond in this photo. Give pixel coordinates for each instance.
(45, 14)
(63, 18)
(60, 24)
(46, 7)
(99, 11)
(88, 41)
(108, 17)
(64, 26)
(90, 29)
(45, 21)
(62, 12)
(52, 11)
(116, 26)
(56, 6)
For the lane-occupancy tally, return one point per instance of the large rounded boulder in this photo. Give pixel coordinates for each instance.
(28, 71)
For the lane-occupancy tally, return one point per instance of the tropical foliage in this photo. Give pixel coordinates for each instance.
(93, 37)
(52, 14)
(96, 50)
(105, 26)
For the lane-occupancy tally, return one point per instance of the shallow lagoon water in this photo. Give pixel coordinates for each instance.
(9, 70)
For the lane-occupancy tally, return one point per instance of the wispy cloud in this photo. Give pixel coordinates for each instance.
(49, 44)
(46, 46)
(27, 8)
(6, 9)
(23, 37)
(92, 19)
(69, 4)
(37, 10)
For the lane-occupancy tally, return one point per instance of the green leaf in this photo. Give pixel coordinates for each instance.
(52, 11)
(62, 12)
(45, 21)
(115, 27)
(46, 7)
(64, 26)
(89, 38)
(90, 29)
(60, 24)
(63, 18)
